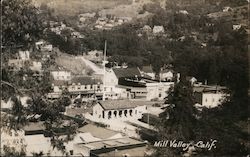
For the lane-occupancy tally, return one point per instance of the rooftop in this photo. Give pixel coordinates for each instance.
(147, 69)
(34, 126)
(126, 72)
(85, 80)
(122, 104)
(206, 88)
(120, 142)
(97, 132)
(59, 82)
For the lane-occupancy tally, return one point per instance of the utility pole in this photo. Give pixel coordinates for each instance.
(104, 72)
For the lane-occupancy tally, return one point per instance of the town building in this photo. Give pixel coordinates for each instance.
(62, 75)
(209, 96)
(113, 147)
(119, 109)
(132, 83)
(114, 77)
(79, 85)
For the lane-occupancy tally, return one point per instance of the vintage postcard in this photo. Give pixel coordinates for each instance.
(125, 78)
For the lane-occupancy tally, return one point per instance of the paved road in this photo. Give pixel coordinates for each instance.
(92, 65)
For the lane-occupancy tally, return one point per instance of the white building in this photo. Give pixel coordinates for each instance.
(24, 55)
(119, 109)
(39, 143)
(47, 47)
(61, 75)
(158, 29)
(80, 85)
(209, 96)
(158, 90)
(36, 66)
(167, 75)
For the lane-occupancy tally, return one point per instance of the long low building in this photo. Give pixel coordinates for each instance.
(113, 147)
(80, 85)
(119, 109)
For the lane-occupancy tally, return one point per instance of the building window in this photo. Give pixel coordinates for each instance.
(103, 114)
(85, 87)
(159, 95)
(91, 86)
(109, 114)
(115, 113)
(98, 87)
(125, 113)
(205, 100)
(120, 113)
(130, 112)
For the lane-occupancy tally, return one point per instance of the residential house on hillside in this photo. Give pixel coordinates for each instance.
(209, 96)
(166, 75)
(24, 55)
(119, 109)
(158, 29)
(62, 74)
(191, 79)
(17, 64)
(36, 66)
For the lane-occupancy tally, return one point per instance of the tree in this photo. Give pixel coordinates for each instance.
(21, 23)
(178, 120)
(17, 118)
(10, 151)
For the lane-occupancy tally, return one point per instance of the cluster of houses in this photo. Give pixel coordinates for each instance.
(152, 31)
(24, 59)
(58, 27)
(105, 23)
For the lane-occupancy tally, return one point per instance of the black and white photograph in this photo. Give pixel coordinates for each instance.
(125, 78)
